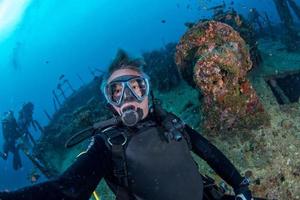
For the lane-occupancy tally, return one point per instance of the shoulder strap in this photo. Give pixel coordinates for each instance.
(116, 140)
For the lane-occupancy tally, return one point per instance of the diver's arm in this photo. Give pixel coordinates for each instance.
(46, 190)
(76, 183)
(214, 157)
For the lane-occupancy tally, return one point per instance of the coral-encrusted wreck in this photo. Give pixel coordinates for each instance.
(80, 110)
(214, 58)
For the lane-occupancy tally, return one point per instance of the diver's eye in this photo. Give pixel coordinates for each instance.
(117, 92)
(135, 86)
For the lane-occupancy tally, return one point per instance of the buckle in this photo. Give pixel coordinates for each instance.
(122, 144)
(245, 182)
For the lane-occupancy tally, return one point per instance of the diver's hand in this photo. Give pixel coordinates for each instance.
(243, 192)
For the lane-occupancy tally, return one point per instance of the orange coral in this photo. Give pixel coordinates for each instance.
(218, 60)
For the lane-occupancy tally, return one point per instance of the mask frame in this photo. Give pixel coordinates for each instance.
(124, 81)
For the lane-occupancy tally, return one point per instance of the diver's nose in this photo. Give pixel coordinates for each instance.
(128, 95)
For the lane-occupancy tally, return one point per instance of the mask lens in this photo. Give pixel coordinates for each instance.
(138, 86)
(115, 91)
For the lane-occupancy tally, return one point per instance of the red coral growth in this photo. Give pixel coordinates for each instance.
(212, 56)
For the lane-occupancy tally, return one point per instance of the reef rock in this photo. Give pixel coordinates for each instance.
(213, 57)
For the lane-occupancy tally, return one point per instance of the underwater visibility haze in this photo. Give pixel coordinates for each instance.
(229, 69)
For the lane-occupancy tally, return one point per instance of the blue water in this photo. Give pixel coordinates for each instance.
(66, 37)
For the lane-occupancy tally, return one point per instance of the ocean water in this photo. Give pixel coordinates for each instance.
(40, 40)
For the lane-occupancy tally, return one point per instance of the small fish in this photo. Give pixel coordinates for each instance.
(189, 24)
(61, 77)
(163, 21)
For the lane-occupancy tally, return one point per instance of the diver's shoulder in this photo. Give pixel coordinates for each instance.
(110, 129)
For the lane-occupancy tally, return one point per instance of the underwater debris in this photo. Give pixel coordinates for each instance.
(62, 91)
(271, 31)
(95, 72)
(278, 92)
(218, 8)
(295, 7)
(160, 62)
(285, 87)
(256, 19)
(83, 108)
(214, 58)
(290, 38)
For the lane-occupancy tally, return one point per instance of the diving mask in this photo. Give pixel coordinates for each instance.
(119, 89)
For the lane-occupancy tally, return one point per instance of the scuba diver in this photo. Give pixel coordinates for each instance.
(146, 156)
(10, 135)
(25, 121)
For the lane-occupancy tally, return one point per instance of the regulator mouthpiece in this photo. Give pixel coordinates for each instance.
(131, 117)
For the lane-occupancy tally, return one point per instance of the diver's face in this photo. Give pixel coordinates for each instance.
(135, 86)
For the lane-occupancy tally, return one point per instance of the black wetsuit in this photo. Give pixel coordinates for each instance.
(157, 169)
(10, 135)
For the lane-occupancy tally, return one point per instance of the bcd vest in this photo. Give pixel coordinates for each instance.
(152, 161)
